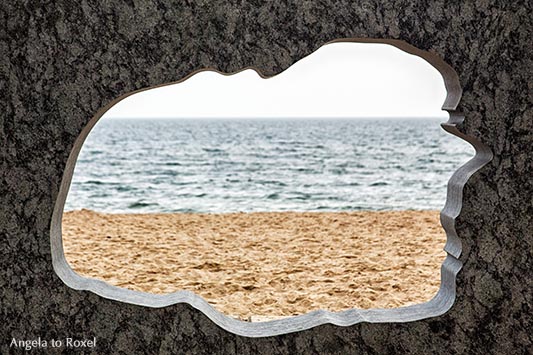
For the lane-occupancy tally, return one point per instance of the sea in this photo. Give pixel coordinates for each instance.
(246, 165)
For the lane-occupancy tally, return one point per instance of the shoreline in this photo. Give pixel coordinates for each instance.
(264, 263)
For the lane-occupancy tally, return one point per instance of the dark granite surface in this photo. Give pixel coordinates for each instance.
(61, 62)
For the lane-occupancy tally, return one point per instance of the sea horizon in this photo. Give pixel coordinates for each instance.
(225, 165)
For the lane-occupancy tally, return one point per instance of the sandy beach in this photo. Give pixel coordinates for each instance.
(267, 263)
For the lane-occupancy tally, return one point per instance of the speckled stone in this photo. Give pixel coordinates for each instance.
(63, 62)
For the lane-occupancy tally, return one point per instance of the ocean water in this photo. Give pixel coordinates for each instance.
(224, 165)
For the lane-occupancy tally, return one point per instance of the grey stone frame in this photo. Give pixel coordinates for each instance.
(63, 62)
(442, 301)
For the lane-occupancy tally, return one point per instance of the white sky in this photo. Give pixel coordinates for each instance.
(338, 80)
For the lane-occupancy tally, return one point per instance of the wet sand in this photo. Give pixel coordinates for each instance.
(251, 265)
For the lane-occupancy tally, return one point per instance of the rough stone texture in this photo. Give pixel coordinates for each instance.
(61, 62)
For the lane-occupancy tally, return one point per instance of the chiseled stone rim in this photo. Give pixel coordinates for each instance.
(437, 306)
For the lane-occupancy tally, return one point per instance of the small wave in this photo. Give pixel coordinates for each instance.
(339, 171)
(125, 188)
(182, 183)
(167, 173)
(233, 181)
(352, 208)
(334, 198)
(191, 195)
(271, 182)
(301, 197)
(94, 182)
(101, 182)
(141, 204)
(99, 195)
(184, 210)
(379, 183)
(304, 170)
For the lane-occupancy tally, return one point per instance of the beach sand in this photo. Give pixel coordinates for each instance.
(252, 265)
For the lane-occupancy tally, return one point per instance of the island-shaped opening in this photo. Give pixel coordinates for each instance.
(319, 188)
